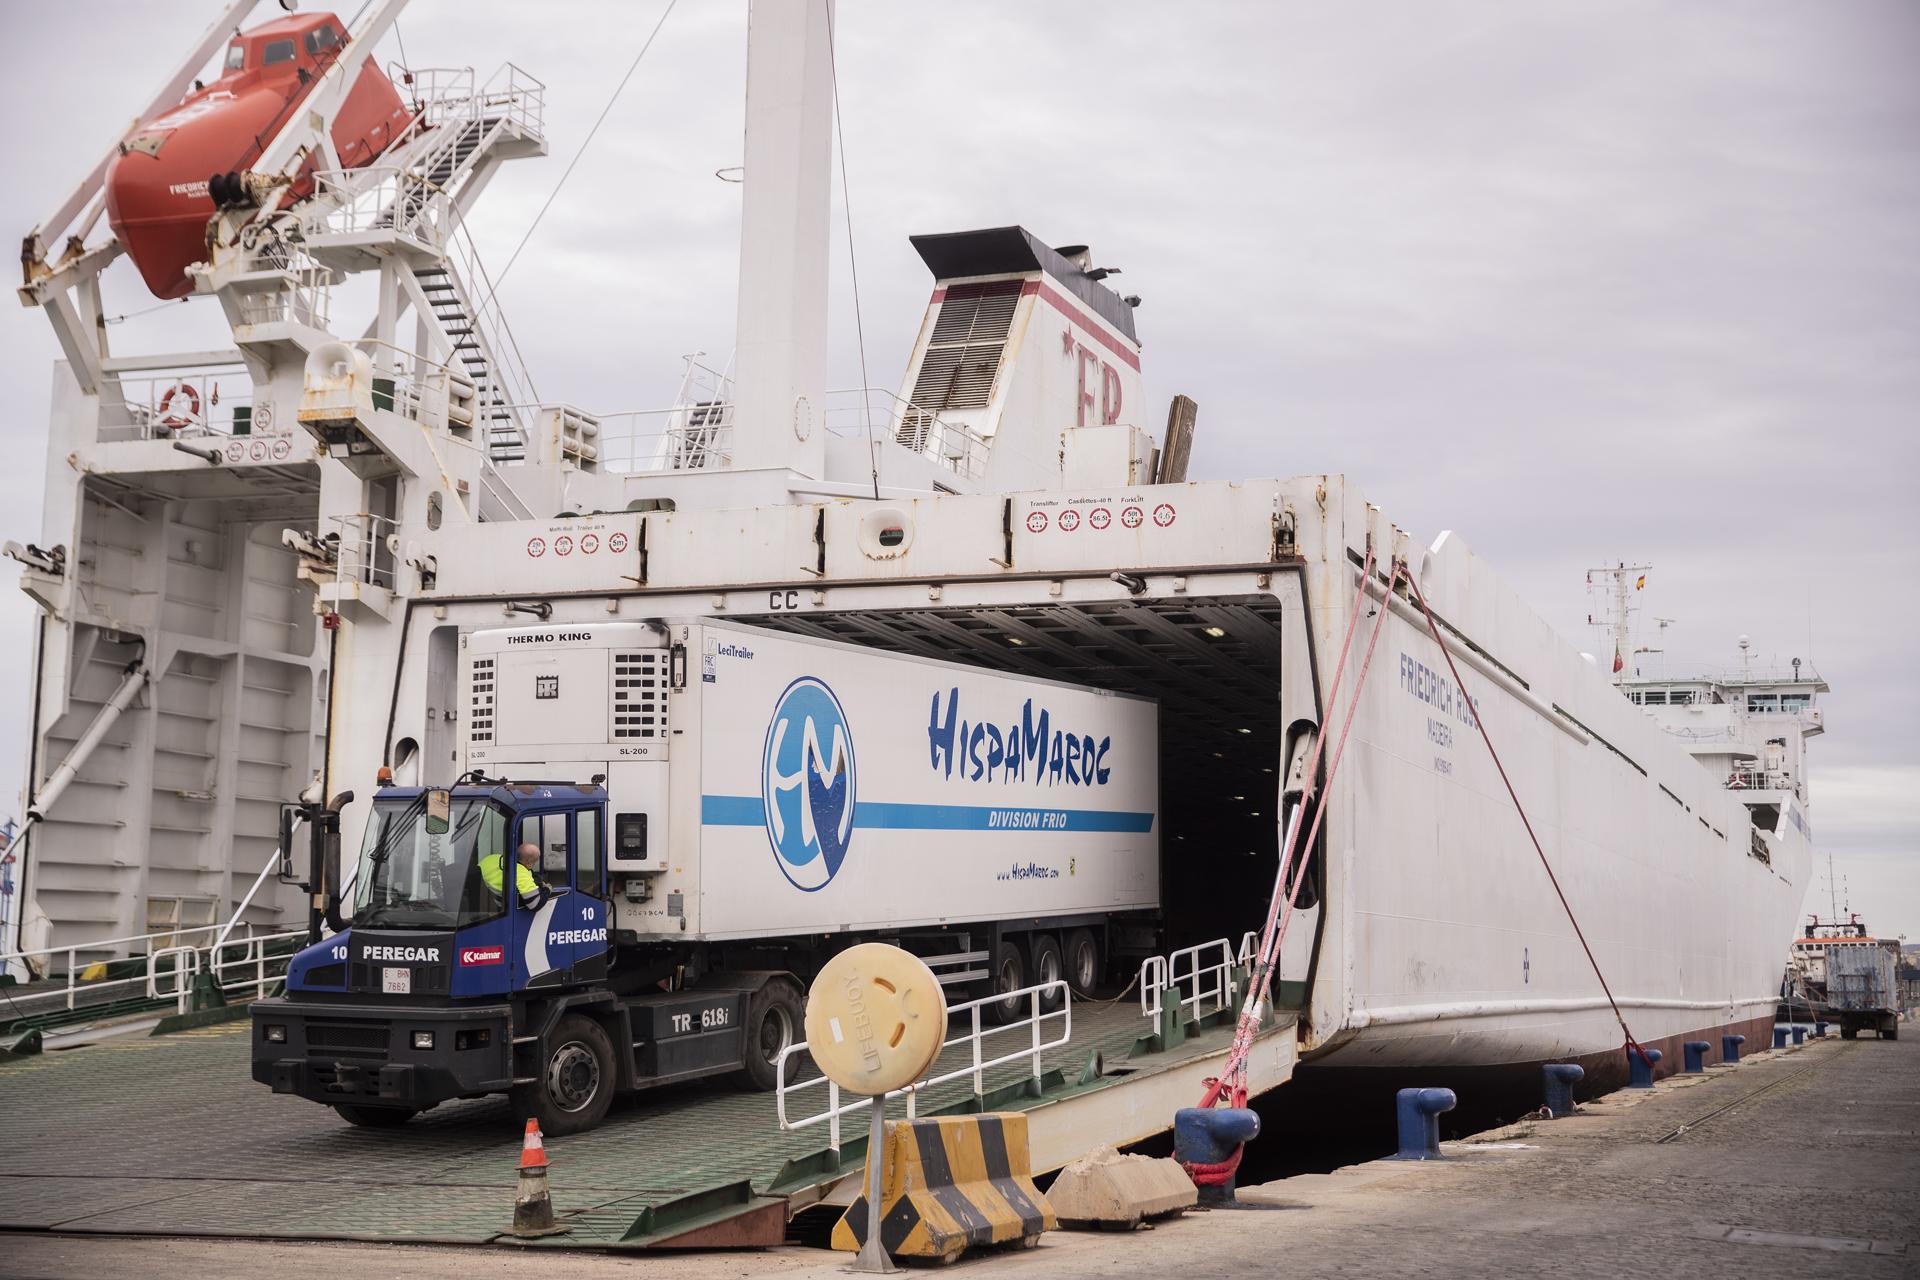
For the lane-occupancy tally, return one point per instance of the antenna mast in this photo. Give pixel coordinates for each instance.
(1616, 588)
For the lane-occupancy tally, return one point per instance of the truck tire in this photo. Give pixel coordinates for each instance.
(1048, 966)
(574, 1081)
(1890, 1029)
(775, 1019)
(1009, 973)
(374, 1117)
(1082, 961)
(1848, 1031)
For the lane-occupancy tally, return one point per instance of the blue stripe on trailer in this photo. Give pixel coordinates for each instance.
(750, 811)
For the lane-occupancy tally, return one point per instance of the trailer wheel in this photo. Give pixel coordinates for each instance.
(1082, 961)
(775, 1016)
(1048, 967)
(1009, 974)
(1848, 1031)
(575, 1080)
(374, 1117)
(1890, 1029)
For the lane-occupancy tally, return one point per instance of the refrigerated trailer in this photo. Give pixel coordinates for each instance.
(661, 829)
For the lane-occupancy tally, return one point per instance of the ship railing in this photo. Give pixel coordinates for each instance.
(382, 197)
(260, 963)
(160, 965)
(436, 94)
(697, 433)
(1039, 1032)
(305, 297)
(453, 126)
(688, 437)
(510, 384)
(859, 411)
(420, 388)
(444, 95)
(1759, 780)
(177, 403)
(517, 97)
(1200, 980)
(364, 555)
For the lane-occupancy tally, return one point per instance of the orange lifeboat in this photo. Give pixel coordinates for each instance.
(157, 187)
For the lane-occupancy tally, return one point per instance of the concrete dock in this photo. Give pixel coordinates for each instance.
(1804, 1161)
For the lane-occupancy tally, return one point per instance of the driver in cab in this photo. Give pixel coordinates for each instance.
(493, 869)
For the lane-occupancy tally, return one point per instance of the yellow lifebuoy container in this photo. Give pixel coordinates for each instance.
(876, 1016)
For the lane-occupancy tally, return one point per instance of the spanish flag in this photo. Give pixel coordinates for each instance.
(1641, 585)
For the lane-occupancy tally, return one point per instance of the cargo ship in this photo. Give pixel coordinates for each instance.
(244, 606)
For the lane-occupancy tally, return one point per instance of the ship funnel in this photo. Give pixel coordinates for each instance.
(1026, 373)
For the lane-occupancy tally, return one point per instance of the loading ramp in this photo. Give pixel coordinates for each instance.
(170, 1136)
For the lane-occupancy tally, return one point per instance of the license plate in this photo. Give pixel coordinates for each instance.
(396, 982)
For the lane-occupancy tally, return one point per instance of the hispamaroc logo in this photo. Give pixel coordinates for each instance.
(807, 783)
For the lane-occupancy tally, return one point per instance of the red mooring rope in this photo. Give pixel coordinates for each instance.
(1309, 788)
(1232, 1080)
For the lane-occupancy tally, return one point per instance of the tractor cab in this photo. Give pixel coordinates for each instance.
(479, 890)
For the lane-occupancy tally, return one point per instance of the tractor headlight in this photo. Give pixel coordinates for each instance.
(423, 1039)
(276, 1033)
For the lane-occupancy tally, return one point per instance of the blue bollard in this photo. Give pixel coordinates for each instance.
(1695, 1052)
(1799, 1035)
(1779, 1037)
(1209, 1135)
(1561, 1077)
(1730, 1048)
(1418, 1111)
(1640, 1067)
(1820, 1031)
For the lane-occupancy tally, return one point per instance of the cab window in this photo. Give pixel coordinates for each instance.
(586, 851)
(236, 57)
(549, 831)
(321, 39)
(277, 51)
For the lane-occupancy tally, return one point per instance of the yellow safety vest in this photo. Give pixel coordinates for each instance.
(493, 875)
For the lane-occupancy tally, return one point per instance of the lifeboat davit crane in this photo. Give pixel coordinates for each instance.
(179, 168)
(295, 95)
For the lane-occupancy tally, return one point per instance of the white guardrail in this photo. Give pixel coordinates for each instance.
(237, 959)
(977, 1064)
(1201, 976)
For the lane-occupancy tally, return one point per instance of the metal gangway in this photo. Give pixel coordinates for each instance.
(105, 985)
(1087, 1071)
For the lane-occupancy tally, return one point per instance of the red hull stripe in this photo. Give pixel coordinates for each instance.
(1071, 310)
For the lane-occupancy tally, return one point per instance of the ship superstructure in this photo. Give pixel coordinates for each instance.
(239, 608)
(1750, 730)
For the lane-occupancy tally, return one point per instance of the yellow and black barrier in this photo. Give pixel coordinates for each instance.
(951, 1183)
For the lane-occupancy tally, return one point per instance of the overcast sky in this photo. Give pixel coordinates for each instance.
(1581, 281)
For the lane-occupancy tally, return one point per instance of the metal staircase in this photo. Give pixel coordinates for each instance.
(496, 420)
(417, 198)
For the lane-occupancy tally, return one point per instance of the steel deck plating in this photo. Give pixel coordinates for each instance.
(168, 1136)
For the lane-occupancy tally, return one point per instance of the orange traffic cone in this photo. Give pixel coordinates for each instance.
(532, 1204)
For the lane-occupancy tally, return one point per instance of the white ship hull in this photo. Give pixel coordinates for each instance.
(1440, 941)
(1453, 946)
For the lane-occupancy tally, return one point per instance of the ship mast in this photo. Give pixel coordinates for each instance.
(1617, 587)
(781, 345)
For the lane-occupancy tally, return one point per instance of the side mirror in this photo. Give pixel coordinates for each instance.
(439, 809)
(289, 815)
